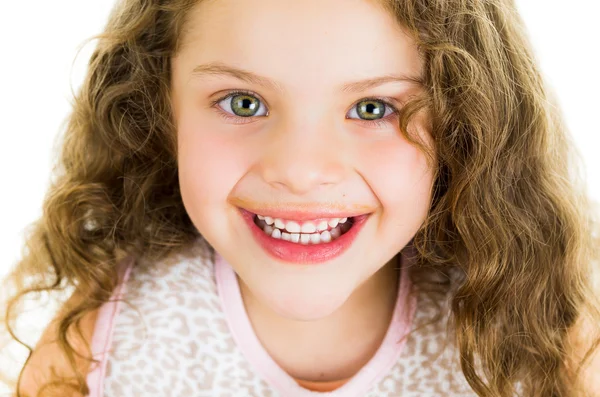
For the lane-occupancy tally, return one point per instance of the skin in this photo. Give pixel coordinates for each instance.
(288, 157)
(307, 146)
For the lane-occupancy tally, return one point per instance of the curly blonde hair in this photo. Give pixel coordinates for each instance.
(510, 212)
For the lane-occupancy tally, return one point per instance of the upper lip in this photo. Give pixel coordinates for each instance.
(304, 214)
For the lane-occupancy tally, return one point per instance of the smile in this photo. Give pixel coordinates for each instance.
(309, 241)
(318, 231)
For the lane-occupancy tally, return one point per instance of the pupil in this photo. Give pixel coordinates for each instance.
(243, 106)
(371, 109)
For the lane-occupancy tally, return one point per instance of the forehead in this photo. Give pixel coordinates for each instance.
(300, 42)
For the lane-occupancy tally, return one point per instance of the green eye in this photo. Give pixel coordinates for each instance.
(244, 105)
(370, 110)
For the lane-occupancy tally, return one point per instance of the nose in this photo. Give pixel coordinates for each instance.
(304, 157)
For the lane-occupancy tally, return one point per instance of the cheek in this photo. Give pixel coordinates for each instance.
(400, 177)
(210, 164)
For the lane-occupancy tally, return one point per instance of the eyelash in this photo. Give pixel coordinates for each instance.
(379, 123)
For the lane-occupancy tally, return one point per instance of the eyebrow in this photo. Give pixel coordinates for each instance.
(222, 69)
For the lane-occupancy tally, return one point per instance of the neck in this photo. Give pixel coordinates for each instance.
(361, 322)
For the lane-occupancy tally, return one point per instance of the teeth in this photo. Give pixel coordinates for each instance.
(308, 228)
(325, 236)
(308, 232)
(307, 238)
(315, 238)
(322, 226)
(292, 227)
(335, 232)
(276, 233)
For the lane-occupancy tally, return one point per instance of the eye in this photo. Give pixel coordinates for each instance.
(373, 110)
(239, 105)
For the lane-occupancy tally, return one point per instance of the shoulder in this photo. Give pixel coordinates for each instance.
(581, 338)
(49, 360)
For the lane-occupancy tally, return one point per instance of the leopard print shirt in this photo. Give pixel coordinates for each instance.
(180, 329)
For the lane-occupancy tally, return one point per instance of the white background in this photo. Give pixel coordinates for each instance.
(38, 44)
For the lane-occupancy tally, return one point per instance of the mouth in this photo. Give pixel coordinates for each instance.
(304, 241)
(317, 231)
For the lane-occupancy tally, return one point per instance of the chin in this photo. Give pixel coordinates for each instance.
(304, 304)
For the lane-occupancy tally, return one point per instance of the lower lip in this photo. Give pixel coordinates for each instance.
(304, 254)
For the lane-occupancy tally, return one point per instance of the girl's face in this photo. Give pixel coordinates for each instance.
(305, 141)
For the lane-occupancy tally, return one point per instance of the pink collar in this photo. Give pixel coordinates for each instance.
(244, 336)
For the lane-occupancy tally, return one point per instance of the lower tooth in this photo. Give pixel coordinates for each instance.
(335, 232)
(307, 238)
(315, 238)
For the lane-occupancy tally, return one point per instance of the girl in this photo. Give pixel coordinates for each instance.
(298, 198)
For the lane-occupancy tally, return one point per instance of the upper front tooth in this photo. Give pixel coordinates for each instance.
(308, 227)
(302, 227)
(292, 227)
